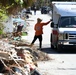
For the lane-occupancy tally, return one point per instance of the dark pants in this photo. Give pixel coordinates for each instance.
(40, 40)
(34, 12)
(19, 28)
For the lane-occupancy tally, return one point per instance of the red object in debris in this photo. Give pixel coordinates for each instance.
(21, 55)
(31, 68)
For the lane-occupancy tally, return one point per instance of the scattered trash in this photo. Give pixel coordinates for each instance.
(17, 60)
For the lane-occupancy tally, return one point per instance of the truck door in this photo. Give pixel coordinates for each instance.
(54, 35)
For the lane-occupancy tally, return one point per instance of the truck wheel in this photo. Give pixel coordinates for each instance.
(52, 47)
(59, 48)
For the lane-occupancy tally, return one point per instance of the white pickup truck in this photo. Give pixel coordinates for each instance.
(64, 25)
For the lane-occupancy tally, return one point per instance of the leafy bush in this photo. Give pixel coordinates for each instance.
(1, 28)
(1, 32)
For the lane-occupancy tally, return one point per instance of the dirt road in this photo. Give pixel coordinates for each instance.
(61, 64)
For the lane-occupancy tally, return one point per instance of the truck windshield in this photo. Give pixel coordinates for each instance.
(67, 22)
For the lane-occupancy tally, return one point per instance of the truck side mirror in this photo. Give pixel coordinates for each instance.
(52, 24)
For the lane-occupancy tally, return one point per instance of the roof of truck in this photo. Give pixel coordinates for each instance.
(65, 9)
(64, 3)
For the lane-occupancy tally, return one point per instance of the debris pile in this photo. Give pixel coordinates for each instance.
(15, 58)
(19, 60)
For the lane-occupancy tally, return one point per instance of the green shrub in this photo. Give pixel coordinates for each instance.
(1, 32)
(1, 28)
(24, 33)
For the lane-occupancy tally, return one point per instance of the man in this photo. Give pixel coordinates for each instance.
(38, 32)
(34, 10)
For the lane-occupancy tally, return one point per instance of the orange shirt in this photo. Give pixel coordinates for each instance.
(39, 28)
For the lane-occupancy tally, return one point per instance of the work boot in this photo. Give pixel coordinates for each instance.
(40, 49)
(31, 45)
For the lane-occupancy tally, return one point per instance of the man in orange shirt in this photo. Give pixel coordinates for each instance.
(38, 32)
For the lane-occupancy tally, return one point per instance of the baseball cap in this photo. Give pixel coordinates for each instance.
(38, 19)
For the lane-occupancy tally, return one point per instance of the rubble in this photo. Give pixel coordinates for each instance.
(19, 58)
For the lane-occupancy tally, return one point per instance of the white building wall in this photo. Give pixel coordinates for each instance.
(8, 25)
